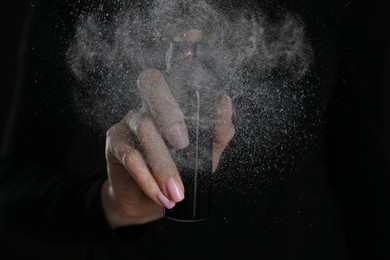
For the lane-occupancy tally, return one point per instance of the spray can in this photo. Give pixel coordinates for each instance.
(192, 90)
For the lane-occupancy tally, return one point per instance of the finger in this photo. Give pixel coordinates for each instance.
(163, 107)
(136, 166)
(224, 129)
(131, 195)
(159, 160)
(127, 165)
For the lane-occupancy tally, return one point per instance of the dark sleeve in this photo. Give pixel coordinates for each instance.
(52, 167)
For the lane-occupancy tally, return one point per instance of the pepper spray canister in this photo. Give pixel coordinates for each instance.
(191, 83)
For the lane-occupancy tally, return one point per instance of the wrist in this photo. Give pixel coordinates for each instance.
(110, 210)
(115, 213)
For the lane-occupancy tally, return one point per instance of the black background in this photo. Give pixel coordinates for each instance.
(13, 15)
(370, 40)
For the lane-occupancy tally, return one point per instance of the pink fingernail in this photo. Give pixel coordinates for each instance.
(179, 136)
(227, 103)
(174, 191)
(165, 201)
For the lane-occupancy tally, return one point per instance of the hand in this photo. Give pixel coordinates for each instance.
(142, 177)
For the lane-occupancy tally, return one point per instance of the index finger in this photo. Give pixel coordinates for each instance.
(164, 109)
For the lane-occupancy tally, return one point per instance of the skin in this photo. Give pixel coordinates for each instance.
(142, 177)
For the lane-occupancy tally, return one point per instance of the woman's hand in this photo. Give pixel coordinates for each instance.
(142, 177)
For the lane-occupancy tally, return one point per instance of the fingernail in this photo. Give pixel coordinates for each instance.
(165, 201)
(227, 104)
(179, 136)
(175, 193)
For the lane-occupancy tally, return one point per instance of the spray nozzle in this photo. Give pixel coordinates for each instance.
(180, 52)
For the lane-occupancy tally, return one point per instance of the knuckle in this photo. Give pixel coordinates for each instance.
(111, 136)
(130, 156)
(135, 121)
(112, 131)
(144, 124)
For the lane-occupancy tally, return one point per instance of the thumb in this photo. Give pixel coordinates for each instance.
(224, 129)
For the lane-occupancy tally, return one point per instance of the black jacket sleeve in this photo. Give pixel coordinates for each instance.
(52, 167)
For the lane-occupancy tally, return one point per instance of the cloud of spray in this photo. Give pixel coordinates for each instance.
(262, 64)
